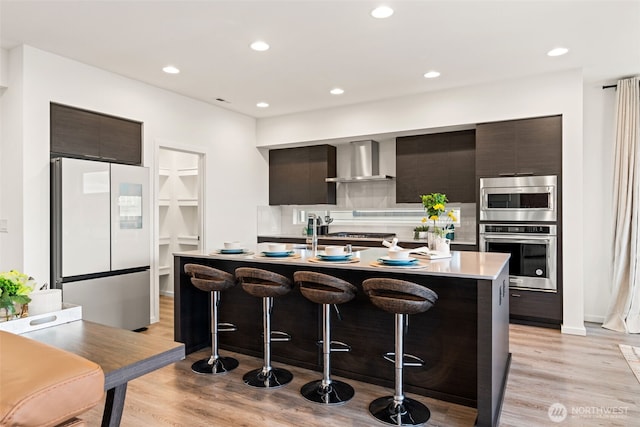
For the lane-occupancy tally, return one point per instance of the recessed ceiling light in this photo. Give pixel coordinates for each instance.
(336, 91)
(260, 46)
(262, 104)
(431, 74)
(558, 51)
(170, 69)
(381, 12)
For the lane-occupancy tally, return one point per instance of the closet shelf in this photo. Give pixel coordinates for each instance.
(188, 240)
(188, 172)
(163, 270)
(164, 240)
(164, 171)
(188, 202)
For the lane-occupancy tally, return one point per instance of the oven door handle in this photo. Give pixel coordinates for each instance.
(516, 240)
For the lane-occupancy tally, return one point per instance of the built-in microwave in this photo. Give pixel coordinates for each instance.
(519, 198)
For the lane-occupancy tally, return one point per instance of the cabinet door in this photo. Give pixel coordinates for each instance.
(120, 140)
(421, 166)
(321, 164)
(436, 163)
(297, 175)
(539, 146)
(86, 134)
(496, 149)
(461, 171)
(74, 132)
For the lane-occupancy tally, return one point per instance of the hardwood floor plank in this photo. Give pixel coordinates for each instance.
(588, 375)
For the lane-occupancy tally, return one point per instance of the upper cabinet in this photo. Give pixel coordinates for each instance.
(436, 163)
(297, 175)
(519, 147)
(86, 134)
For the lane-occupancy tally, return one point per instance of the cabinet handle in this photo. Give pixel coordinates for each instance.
(524, 174)
(515, 295)
(508, 174)
(108, 158)
(92, 156)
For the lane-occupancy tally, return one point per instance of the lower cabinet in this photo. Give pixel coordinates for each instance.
(535, 307)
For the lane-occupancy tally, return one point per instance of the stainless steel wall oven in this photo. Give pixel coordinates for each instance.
(533, 249)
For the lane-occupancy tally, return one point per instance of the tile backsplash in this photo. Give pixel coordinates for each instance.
(291, 220)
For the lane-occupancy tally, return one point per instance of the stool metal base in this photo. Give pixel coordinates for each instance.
(409, 413)
(337, 393)
(219, 366)
(275, 378)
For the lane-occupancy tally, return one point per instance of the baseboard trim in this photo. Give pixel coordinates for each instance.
(167, 293)
(582, 331)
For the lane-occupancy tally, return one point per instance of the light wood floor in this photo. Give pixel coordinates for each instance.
(588, 375)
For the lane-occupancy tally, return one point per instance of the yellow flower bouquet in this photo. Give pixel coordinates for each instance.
(435, 206)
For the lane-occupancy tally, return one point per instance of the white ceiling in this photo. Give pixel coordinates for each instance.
(318, 45)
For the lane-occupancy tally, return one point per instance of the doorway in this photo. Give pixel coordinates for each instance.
(180, 209)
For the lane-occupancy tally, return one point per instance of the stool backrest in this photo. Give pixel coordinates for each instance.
(209, 279)
(323, 288)
(262, 283)
(399, 296)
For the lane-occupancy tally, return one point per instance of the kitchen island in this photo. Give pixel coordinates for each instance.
(463, 339)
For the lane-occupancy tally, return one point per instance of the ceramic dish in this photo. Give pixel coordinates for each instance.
(325, 257)
(278, 254)
(231, 251)
(390, 261)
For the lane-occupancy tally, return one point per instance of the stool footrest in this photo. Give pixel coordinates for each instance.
(278, 336)
(227, 327)
(407, 359)
(339, 346)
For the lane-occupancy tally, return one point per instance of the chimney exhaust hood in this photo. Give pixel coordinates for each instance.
(365, 163)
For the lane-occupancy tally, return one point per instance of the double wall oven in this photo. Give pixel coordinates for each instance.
(518, 215)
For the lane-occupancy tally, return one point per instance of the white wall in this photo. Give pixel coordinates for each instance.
(235, 170)
(4, 68)
(599, 139)
(11, 160)
(557, 93)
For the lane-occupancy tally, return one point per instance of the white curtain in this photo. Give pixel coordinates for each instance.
(624, 309)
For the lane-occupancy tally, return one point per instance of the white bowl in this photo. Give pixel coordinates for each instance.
(399, 253)
(232, 245)
(334, 250)
(277, 247)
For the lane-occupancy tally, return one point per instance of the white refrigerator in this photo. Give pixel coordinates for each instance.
(100, 240)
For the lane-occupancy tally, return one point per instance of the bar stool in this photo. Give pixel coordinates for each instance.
(401, 298)
(326, 290)
(266, 285)
(214, 281)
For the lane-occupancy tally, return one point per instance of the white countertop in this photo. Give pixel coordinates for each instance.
(464, 264)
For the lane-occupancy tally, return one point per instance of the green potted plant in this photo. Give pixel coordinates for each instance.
(435, 206)
(420, 232)
(15, 288)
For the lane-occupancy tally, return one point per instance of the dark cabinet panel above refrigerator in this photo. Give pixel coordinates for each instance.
(94, 136)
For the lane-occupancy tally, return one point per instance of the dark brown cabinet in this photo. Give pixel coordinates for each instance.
(297, 175)
(519, 147)
(87, 134)
(436, 163)
(535, 307)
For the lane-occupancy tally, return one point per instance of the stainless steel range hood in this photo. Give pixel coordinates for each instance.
(365, 163)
